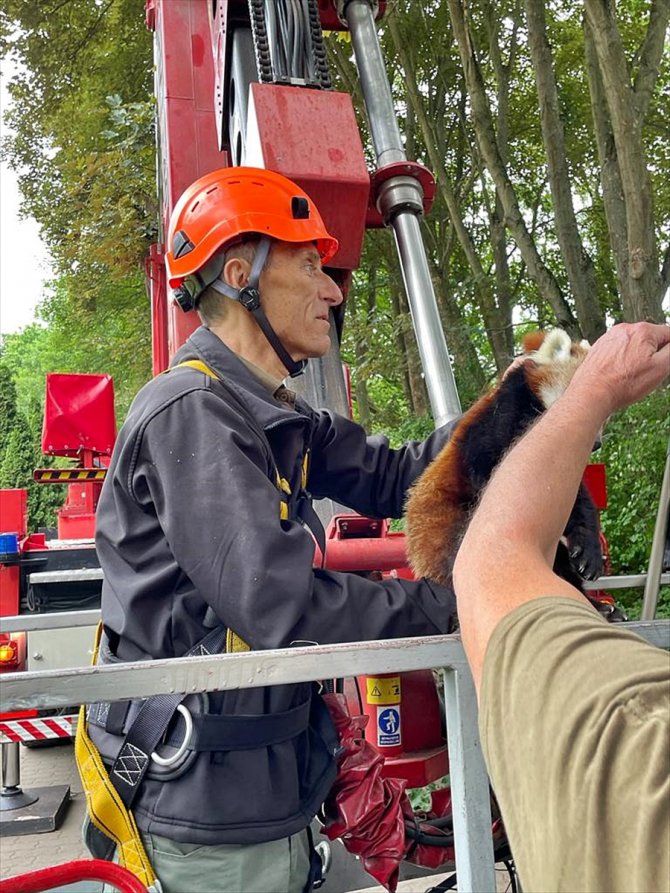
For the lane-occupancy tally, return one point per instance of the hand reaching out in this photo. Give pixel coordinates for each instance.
(625, 364)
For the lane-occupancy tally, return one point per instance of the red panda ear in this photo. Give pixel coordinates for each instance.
(532, 341)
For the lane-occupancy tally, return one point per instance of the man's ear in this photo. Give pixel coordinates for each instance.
(236, 272)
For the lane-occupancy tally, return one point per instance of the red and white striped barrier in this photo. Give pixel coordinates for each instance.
(37, 728)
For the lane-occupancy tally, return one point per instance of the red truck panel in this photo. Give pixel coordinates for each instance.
(311, 136)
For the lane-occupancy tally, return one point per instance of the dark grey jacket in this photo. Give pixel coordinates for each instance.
(188, 520)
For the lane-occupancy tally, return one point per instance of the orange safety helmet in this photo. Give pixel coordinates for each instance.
(232, 202)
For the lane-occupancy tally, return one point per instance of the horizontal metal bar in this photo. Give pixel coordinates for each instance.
(627, 581)
(66, 576)
(27, 623)
(62, 688)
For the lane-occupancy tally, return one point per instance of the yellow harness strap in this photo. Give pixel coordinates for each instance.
(105, 808)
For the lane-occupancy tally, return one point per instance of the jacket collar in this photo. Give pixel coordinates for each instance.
(204, 345)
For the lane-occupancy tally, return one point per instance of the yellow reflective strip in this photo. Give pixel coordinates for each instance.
(283, 485)
(305, 471)
(283, 511)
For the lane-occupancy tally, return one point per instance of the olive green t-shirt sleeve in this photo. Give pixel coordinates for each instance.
(575, 728)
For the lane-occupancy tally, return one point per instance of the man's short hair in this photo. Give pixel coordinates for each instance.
(213, 306)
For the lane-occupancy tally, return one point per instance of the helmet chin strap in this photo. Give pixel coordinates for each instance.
(249, 297)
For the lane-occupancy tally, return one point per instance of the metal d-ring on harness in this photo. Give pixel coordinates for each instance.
(183, 747)
(144, 726)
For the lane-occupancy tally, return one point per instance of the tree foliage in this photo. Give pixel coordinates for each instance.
(81, 139)
(634, 449)
(543, 121)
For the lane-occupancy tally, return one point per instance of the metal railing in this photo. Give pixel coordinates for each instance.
(468, 778)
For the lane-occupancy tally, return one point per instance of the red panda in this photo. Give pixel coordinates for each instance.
(441, 500)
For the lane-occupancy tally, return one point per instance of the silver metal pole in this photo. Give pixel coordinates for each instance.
(10, 765)
(440, 381)
(386, 136)
(653, 583)
(471, 809)
(11, 795)
(401, 203)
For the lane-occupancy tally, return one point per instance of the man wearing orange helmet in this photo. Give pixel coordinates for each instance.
(202, 536)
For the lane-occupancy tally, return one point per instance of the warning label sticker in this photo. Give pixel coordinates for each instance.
(385, 690)
(388, 726)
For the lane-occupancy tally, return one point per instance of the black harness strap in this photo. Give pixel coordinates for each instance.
(148, 728)
(307, 514)
(212, 732)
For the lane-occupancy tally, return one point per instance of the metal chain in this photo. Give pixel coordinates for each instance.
(318, 47)
(319, 62)
(261, 45)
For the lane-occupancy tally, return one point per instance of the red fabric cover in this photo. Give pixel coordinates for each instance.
(368, 812)
(78, 414)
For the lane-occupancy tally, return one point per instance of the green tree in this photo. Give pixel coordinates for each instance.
(81, 139)
(82, 129)
(17, 461)
(7, 408)
(634, 448)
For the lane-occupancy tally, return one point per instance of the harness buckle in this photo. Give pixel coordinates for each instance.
(250, 298)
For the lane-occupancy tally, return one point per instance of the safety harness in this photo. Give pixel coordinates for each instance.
(147, 723)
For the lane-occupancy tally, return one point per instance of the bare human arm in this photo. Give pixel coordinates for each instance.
(525, 507)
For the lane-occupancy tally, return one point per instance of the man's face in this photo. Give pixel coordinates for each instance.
(297, 297)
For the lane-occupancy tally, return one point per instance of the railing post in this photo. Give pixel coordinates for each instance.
(471, 804)
(653, 582)
(11, 795)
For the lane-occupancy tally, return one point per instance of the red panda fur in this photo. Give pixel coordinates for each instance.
(440, 502)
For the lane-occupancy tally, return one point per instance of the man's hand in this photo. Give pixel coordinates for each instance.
(624, 365)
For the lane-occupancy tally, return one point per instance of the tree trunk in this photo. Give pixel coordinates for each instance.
(644, 277)
(415, 387)
(495, 322)
(498, 230)
(486, 140)
(363, 312)
(610, 176)
(578, 264)
(468, 370)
